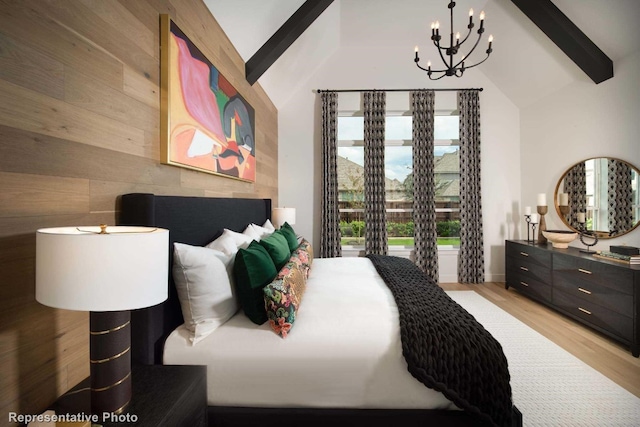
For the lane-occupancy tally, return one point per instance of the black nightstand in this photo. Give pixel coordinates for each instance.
(162, 395)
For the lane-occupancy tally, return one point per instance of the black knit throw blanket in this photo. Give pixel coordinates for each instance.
(445, 347)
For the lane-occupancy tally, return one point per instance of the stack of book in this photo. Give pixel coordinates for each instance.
(629, 259)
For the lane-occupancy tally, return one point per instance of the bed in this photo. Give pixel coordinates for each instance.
(313, 377)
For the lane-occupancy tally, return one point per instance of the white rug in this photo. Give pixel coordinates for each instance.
(550, 386)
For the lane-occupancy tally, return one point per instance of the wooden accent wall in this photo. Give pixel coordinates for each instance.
(79, 125)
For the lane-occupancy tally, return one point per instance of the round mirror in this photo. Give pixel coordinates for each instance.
(599, 195)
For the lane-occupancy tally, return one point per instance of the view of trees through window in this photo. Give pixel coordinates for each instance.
(399, 181)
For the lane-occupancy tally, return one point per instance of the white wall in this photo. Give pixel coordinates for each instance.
(357, 68)
(581, 121)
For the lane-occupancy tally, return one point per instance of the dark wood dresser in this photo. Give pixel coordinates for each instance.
(602, 294)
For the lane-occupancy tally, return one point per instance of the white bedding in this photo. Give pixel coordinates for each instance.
(343, 351)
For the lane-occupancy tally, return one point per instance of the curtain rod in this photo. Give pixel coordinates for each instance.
(391, 90)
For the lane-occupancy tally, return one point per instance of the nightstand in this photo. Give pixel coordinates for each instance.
(162, 395)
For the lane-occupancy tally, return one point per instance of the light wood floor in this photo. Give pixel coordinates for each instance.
(596, 350)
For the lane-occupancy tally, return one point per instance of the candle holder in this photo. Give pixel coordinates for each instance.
(527, 218)
(564, 209)
(533, 236)
(542, 210)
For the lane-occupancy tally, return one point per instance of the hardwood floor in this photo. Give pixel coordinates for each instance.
(596, 350)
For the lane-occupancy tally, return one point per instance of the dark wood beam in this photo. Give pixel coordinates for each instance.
(283, 38)
(568, 37)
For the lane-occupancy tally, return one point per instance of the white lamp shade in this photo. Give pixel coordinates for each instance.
(79, 269)
(282, 215)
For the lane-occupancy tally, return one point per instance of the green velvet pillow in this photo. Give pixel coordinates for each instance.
(253, 270)
(278, 249)
(292, 240)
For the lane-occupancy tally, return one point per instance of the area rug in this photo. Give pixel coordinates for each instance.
(550, 386)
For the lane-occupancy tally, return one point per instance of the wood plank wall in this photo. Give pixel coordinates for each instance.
(79, 125)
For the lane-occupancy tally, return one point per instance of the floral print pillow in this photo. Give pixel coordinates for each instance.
(303, 256)
(282, 298)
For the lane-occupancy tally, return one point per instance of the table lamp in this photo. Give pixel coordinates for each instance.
(282, 215)
(107, 271)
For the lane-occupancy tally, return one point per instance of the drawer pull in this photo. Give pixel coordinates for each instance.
(585, 291)
(584, 271)
(524, 284)
(524, 268)
(524, 254)
(584, 311)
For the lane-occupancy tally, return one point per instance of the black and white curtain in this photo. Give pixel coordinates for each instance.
(471, 254)
(620, 199)
(575, 185)
(374, 188)
(424, 205)
(330, 224)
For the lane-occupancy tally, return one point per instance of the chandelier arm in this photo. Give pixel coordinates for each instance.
(468, 34)
(427, 70)
(440, 52)
(430, 78)
(471, 66)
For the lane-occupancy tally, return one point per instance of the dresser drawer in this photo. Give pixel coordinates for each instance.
(534, 255)
(529, 270)
(594, 293)
(583, 270)
(594, 314)
(534, 288)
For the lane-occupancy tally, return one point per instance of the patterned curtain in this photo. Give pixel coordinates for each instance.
(575, 185)
(471, 254)
(330, 223)
(620, 197)
(375, 234)
(424, 205)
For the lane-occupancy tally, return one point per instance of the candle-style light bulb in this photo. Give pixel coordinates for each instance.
(416, 50)
(481, 20)
(433, 29)
(458, 36)
(490, 41)
(429, 65)
(437, 27)
(470, 16)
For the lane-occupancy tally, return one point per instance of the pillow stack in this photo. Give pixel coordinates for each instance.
(262, 270)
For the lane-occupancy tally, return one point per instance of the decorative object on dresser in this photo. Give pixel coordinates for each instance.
(600, 293)
(533, 221)
(601, 197)
(625, 250)
(107, 271)
(163, 396)
(527, 219)
(542, 210)
(613, 256)
(560, 238)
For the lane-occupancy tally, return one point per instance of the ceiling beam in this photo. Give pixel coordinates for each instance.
(568, 37)
(283, 38)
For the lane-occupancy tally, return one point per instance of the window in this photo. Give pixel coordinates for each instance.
(399, 180)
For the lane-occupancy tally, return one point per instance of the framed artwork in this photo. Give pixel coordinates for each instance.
(205, 123)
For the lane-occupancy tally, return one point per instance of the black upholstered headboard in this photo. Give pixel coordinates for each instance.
(191, 220)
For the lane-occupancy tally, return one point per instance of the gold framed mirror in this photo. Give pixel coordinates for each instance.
(599, 195)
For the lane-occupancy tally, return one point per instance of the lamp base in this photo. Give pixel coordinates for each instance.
(110, 354)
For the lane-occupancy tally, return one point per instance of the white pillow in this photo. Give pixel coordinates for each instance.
(230, 241)
(261, 231)
(269, 226)
(204, 289)
(249, 231)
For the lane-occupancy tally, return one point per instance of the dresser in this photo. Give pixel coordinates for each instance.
(602, 294)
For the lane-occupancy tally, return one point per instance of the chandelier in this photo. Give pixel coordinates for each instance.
(454, 66)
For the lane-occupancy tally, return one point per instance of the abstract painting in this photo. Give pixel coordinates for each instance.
(205, 123)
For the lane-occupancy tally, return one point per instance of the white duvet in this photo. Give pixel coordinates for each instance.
(343, 351)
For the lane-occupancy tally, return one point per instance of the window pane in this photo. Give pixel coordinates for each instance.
(398, 128)
(446, 127)
(399, 182)
(350, 128)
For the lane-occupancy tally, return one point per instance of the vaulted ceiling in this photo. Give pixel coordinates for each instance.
(525, 64)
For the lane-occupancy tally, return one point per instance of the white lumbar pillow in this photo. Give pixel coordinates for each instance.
(204, 288)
